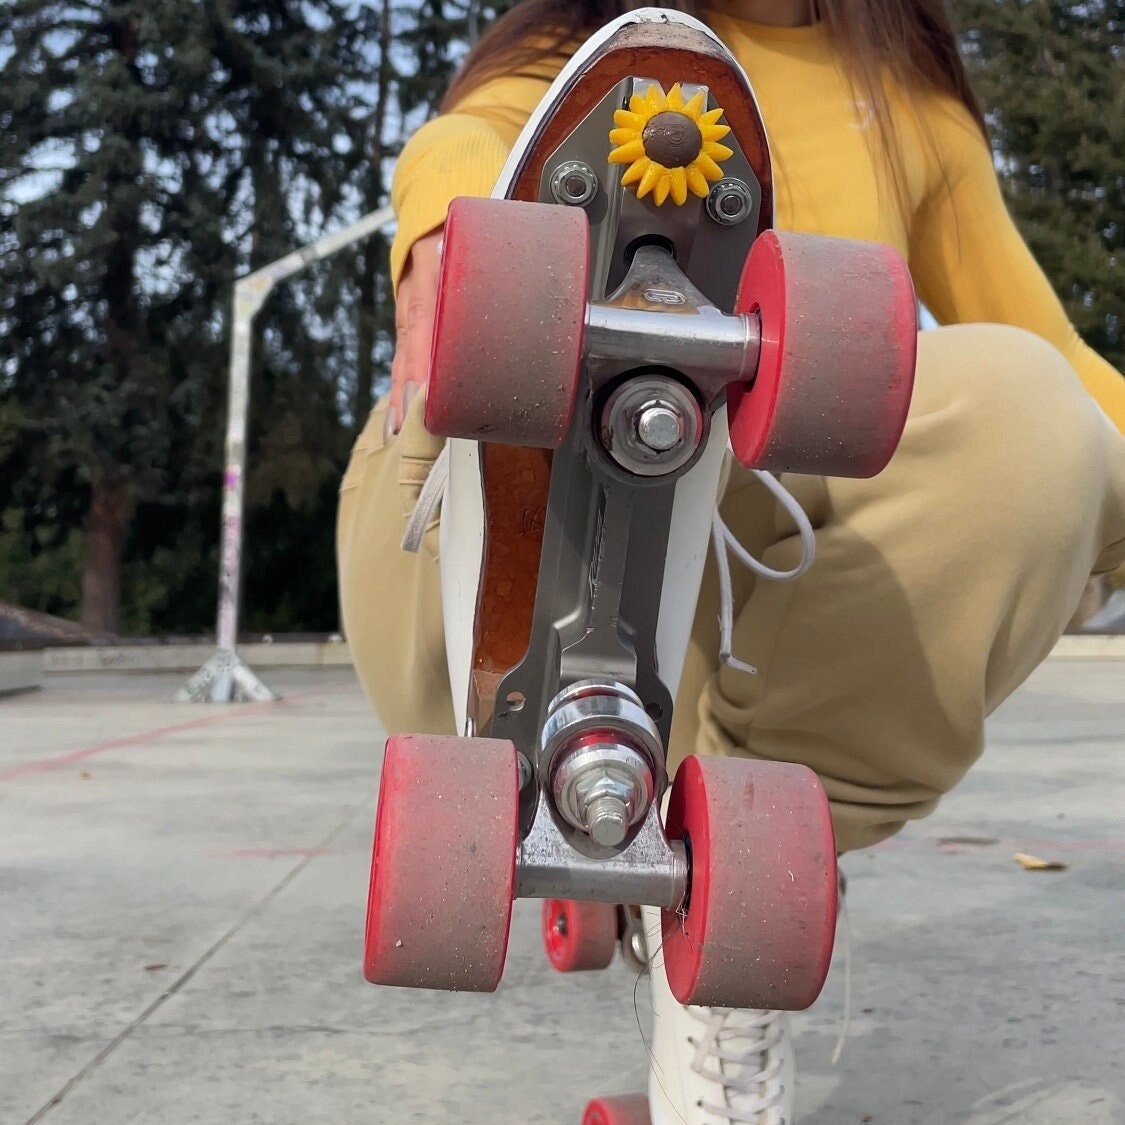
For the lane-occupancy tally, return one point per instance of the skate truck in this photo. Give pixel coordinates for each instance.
(614, 320)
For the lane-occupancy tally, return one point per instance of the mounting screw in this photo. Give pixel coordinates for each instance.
(729, 202)
(637, 946)
(607, 821)
(659, 426)
(526, 772)
(574, 183)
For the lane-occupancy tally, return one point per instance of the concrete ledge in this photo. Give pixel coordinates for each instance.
(333, 654)
(20, 671)
(189, 658)
(1090, 646)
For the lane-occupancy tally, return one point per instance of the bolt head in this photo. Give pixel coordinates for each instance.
(660, 427)
(574, 184)
(575, 187)
(730, 202)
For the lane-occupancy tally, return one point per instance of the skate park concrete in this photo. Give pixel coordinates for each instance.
(181, 910)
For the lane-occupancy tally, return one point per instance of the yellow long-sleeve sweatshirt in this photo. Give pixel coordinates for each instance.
(831, 177)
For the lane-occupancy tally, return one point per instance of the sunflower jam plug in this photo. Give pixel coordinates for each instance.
(671, 147)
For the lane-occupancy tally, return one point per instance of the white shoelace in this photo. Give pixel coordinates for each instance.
(722, 541)
(428, 502)
(739, 1041)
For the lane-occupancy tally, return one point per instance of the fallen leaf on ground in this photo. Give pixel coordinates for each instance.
(1034, 863)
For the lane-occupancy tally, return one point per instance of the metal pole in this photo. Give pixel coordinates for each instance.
(246, 305)
(224, 677)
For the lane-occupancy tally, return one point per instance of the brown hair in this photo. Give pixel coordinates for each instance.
(911, 41)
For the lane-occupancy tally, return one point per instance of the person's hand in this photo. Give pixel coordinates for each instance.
(414, 325)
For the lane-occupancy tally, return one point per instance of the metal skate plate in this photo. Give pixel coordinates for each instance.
(607, 532)
(606, 535)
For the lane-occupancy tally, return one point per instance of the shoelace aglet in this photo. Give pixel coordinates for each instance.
(731, 661)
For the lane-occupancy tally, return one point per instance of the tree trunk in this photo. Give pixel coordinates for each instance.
(365, 337)
(110, 510)
(374, 248)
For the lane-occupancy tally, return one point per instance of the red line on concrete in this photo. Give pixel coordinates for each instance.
(228, 712)
(72, 756)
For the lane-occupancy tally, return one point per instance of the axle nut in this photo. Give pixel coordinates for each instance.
(607, 821)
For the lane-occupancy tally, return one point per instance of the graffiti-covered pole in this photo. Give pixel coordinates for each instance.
(247, 301)
(225, 677)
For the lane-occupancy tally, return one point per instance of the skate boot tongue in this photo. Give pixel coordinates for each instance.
(746, 1053)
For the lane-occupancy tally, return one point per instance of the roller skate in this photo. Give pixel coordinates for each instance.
(614, 320)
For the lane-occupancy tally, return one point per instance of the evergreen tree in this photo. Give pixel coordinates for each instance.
(88, 197)
(1052, 76)
(436, 35)
(150, 154)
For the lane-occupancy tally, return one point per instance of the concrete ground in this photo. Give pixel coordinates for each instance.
(181, 908)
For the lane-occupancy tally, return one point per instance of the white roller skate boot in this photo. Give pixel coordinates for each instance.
(715, 1066)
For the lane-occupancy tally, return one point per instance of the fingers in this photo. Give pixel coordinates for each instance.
(414, 318)
(414, 326)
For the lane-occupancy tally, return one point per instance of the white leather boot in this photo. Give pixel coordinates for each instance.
(715, 1066)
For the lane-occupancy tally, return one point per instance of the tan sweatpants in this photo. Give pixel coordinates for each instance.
(938, 586)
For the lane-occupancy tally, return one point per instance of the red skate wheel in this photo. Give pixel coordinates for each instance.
(443, 872)
(627, 1109)
(839, 326)
(511, 308)
(579, 935)
(760, 917)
